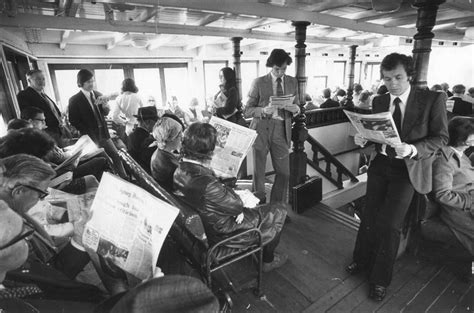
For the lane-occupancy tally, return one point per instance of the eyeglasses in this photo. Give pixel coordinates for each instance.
(25, 234)
(42, 194)
(40, 120)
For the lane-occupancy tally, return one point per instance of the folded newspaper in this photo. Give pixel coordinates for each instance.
(282, 101)
(84, 148)
(128, 226)
(233, 144)
(378, 127)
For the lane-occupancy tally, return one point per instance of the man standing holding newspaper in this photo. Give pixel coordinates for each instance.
(273, 125)
(397, 171)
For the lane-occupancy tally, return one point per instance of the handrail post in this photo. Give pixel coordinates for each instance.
(238, 74)
(299, 133)
(425, 22)
(350, 88)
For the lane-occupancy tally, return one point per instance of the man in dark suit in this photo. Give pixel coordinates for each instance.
(398, 171)
(140, 138)
(86, 112)
(273, 125)
(328, 103)
(34, 96)
(461, 107)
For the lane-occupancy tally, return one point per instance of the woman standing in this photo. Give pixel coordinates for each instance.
(226, 102)
(127, 103)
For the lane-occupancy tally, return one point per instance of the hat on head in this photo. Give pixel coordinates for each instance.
(147, 113)
(83, 76)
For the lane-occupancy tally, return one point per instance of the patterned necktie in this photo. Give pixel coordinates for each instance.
(279, 91)
(397, 119)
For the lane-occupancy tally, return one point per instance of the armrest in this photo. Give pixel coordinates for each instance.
(222, 243)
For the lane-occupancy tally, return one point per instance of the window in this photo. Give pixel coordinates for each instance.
(357, 67)
(66, 87)
(176, 82)
(109, 81)
(372, 73)
(211, 77)
(149, 85)
(338, 76)
(249, 71)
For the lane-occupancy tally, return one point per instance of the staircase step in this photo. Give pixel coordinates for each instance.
(352, 191)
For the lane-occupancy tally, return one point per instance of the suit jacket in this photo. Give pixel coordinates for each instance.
(259, 97)
(30, 97)
(82, 117)
(425, 125)
(138, 147)
(329, 103)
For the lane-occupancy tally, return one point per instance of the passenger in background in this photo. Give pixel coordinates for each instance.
(35, 96)
(445, 88)
(364, 100)
(17, 123)
(193, 113)
(127, 104)
(227, 103)
(174, 108)
(328, 102)
(168, 134)
(340, 97)
(380, 91)
(220, 208)
(437, 87)
(397, 171)
(309, 105)
(453, 177)
(470, 92)
(140, 138)
(461, 107)
(273, 125)
(357, 88)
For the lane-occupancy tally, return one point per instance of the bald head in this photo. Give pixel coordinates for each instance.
(11, 225)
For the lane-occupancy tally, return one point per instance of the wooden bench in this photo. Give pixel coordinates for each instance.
(188, 231)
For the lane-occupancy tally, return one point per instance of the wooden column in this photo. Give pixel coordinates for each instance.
(299, 132)
(238, 74)
(350, 88)
(425, 22)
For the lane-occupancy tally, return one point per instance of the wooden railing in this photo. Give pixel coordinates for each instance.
(330, 162)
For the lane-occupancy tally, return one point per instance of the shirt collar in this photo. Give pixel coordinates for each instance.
(86, 93)
(458, 153)
(403, 97)
(274, 78)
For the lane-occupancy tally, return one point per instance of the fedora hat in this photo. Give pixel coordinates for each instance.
(147, 113)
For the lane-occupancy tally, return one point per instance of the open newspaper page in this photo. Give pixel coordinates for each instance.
(233, 144)
(128, 226)
(378, 127)
(83, 147)
(74, 204)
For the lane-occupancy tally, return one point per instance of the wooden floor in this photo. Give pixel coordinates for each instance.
(319, 245)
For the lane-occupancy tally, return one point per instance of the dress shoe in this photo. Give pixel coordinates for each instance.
(377, 292)
(278, 260)
(354, 268)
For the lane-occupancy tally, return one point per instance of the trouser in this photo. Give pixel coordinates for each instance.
(388, 197)
(269, 249)
(271, 138)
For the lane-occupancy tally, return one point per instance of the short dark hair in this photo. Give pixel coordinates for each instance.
(436, 87)
(357, 87)
(29, 113)
(382, 90)
(33, 72)
(341, 93)
(470, 90)
(17, 123)
(199, 141)
(327, 93)
(128, 84)
(391, 61)
(459, 88)
(278, 57)
(28, 141)
(83, 76)
(229, 76)
(459, 128)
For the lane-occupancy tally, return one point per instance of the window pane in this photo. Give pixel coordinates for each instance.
(109, 81)
(338, 75)
(357, 72)
(148, 83)
(177, 84)
(67, 87)
(249, 73)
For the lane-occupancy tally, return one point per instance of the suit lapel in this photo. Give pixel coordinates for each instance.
(412, 111)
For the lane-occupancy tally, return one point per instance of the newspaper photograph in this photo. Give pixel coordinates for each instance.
(233, 144)
(378, 127)
(128, 226)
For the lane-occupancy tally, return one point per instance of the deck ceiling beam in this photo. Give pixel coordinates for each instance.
(69, 23)
(117, 39)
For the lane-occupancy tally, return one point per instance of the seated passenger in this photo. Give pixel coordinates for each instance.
(17, 123)
(461, 107)
(140, 138)
(328, 102)
(193, 113)
(453, 177)
(220, 208)
(168, 134)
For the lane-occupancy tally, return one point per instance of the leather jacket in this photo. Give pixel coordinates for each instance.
(217, 204)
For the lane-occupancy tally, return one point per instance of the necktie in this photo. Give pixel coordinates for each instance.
(279, 89)
(397, 119)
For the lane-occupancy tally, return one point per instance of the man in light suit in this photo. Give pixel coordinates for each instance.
(34, 96)
(397, 171)
(273, 125)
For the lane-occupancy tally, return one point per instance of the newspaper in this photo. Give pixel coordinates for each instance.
(281, 102)
(128, 226)
(233, 144)
(83, 147)
(378, 127)
(74, 204)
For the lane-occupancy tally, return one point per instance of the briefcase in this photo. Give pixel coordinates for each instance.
(307, 194)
